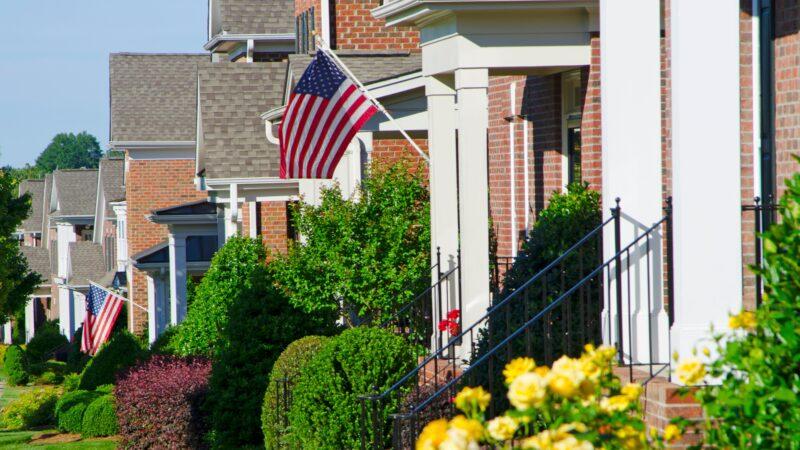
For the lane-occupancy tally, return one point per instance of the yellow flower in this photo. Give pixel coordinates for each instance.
(706, 351)
(631, 438)
(517, 367)
(502, 428)
(555, 440)
(566, 376)
(471, 428)
(432, 435)
(672, 433)
(632, 390)
(690, 371)
(527, 390)
(616, 403)
(745, 320)
(470, 398)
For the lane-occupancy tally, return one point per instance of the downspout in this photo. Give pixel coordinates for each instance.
(767, 102)
(755, 32)
(526, 175)
(511, 168)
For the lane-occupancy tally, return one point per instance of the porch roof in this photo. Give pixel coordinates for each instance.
(38, 259)
(33, 224)
(74, 193)
(87, 264)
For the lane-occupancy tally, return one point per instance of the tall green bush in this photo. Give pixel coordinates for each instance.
(100, 418)
(754, 401)
(16, 365)
(325, 410)
(258, 324)
(32, 409)
(364, 257)
(123, 350)
(282, 379)
(48, 339)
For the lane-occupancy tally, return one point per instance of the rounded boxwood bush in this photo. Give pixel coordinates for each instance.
(100, 418)
(45, 342)
(326, 410)
(70, 409)
(123, 350)
(283, 378)
(32, 409)
(15, 364)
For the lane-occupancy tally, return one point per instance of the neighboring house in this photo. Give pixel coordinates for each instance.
(250, 30)
(110, 195)
(153, 119)
(40, 306)
(30, 231)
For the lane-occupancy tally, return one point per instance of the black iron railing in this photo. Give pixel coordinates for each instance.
(417, 320)
(439, 372)
(571, 296)
(764, 214)
(499, 266)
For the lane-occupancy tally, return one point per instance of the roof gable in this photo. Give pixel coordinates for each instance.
(33, 224)
(75, 192)
(253, 17)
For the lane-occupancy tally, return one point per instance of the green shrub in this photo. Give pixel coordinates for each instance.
(3, 348)
(121, 351)
(105, 389)
(45, 342)
(100, 418)
(282, 380)
(69, 410)
(260, 323)
(32, 409)
(755, 399)
(49, 377)
(166, 343)
(15, 365)
(71, 382)
(363, 257)
(325, 410)
(76, 359)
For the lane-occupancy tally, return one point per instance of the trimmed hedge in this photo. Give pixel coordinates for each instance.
(32, 409)
(159, 403)
(260, 324)
(285, 372)
(100, 418)
(123, 350)
(325, 409)
(71, 382)
(69, 410)
(76, 359)
(16, 365)
(165, 344)
(47, 339)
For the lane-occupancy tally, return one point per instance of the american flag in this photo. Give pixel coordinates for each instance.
(324, 112)
(102, 309)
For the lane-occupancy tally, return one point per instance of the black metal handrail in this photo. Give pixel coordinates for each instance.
(448, 352)
(763, 215)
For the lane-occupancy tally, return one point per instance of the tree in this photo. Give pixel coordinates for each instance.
(17, 282)
(360, 258)
(70, 151)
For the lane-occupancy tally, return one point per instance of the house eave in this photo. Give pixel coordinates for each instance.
(186, 219)
(221, 38)
(149, 145)
(410, 12)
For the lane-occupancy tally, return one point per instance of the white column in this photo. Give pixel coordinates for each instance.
(251, 212)
(7, 336)
(30, 319)
(177, 278)
(65, 312)
(441, 96)
(472, 91)
(705, 167)
(631, 117)
(152, 322)
(65, 234)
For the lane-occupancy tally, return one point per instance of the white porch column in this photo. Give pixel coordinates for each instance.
(7, 333)
(631, 117)
(472, 90)
(152, 322)
(65, 234)
(30, 319)
(441, 97)
(707, 251)
(177, 278)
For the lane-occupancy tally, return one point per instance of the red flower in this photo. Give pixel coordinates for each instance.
(453, 328)
(454, 314)
(443, 325)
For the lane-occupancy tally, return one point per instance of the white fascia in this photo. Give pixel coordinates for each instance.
(411, 12)
(252, 189)
(221, 38)
(148, 145)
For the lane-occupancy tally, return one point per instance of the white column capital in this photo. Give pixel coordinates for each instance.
(472, 78)
(440, 85)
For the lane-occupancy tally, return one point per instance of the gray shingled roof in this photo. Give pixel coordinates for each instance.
(33, 224)
(48, 190)
(76, 191)
(367, 67)
(111, 181)
(232, 98)
(87, 263)
(153, 96)
(38, 261)
(256, 16)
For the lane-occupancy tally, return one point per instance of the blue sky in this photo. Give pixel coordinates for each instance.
(54, 62)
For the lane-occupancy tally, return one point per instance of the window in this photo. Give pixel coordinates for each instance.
(571, 109)
(304, 31)
(200, 248)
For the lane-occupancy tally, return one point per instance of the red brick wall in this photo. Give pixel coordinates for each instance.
(591, 129)
(746, 135)
(356, 29)
(152, 184)
(787, 89)
(273, 225)
(391, 150)
(301, 6)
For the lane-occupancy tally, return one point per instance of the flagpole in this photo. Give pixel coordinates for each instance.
(123, 298)
(323, 46)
